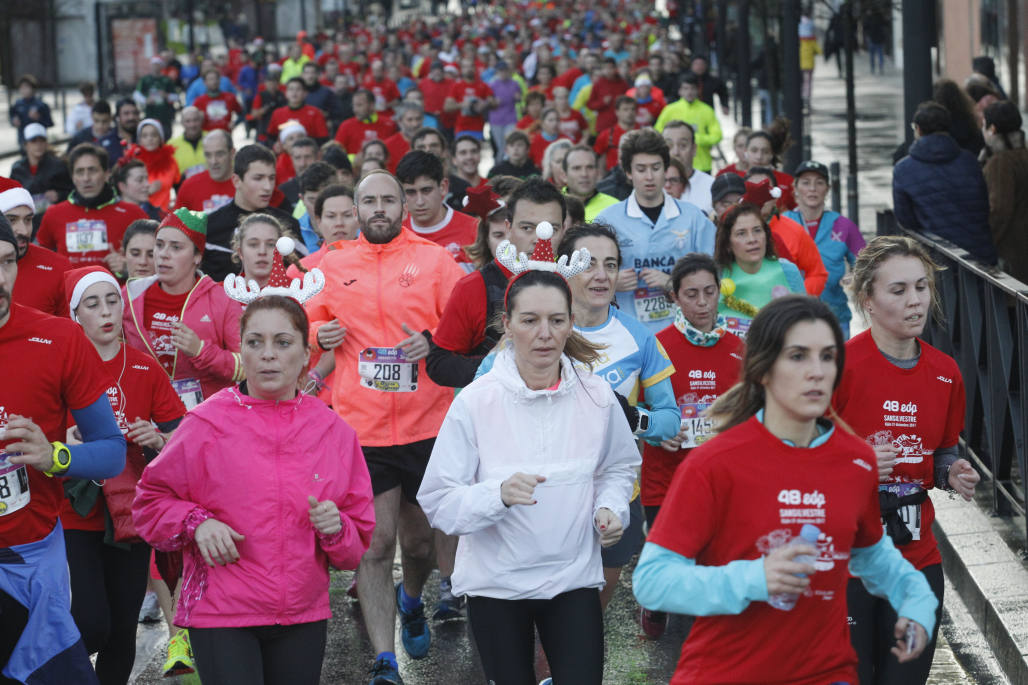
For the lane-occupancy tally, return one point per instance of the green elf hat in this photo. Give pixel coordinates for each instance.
(193, 224)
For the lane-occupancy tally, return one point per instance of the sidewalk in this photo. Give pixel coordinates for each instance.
(9, 136)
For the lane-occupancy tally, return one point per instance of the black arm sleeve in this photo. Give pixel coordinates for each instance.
(451, 369)
(631, 413)
(944, 458)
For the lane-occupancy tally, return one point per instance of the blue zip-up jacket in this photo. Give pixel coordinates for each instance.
(939, 187)
(838, 242)
(681, 228)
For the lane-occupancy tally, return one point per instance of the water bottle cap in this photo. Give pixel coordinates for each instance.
(810, 532)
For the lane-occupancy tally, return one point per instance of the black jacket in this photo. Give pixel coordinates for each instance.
(221, 224)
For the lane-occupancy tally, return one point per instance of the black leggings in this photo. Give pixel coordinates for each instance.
(872, 626)
(260, 655)
(107, 589)
(570, 628)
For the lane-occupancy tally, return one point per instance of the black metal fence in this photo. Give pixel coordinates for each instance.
(985, 329)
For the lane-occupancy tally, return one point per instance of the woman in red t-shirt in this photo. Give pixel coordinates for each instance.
(724, 546)
(108, 580)
(706, 362)
(906, 399)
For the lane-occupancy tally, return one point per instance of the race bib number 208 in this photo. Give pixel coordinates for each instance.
(387, 369)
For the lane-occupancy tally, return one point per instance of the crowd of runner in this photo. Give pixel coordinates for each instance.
(230, 370)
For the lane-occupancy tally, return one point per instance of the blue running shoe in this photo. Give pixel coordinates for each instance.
(414, 630)
(384, 673)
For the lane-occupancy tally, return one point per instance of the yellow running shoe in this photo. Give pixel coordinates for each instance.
(180, 655)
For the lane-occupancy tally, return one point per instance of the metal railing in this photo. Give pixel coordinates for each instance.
(985, 329)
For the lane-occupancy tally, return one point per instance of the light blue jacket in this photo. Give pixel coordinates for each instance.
(681, 228)
(838, 240)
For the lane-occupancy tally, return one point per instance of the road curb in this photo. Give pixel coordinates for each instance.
(989, 577)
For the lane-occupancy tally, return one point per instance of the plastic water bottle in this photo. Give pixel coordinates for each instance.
(809, 535)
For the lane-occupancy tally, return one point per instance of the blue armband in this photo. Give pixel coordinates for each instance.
(102, 452)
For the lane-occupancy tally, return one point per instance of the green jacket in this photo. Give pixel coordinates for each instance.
(703, 120)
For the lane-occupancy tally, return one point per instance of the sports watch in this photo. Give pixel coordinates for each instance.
(61, 459)
(643, 424)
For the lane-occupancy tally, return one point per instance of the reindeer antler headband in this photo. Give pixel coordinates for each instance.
(541, 259)
(241, 290)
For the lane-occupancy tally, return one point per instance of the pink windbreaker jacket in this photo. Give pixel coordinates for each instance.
(251, 464)
(211, 315)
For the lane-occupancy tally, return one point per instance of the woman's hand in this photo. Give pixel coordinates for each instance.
(217, 542)
(609, 525)
(144, 434)
(324, 516)
(183, 338)
(886, 455)
(963, 478)
(780, 570)
(627, 280)
(519, 488)
(331, 335)
(920, 640)
(674, 443)
(31, 447)
(655, 278)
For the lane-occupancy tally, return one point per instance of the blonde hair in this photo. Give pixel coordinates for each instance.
(875, 253)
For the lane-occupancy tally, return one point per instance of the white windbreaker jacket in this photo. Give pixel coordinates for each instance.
(576, 436)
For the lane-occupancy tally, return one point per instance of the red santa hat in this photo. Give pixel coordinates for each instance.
(77, 281)
(761, 193)
(482, 201)
(13, 194)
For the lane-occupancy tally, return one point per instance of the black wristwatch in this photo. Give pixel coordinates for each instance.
(643, 424)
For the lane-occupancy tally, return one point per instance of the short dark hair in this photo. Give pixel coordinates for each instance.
(327, 193)
(29, 79)
(87, 88)
(465, 138)
(690, 78)
(316, 176)
(644, 141)
(723, 243)
(363, 92)
(83, 149)
(249, 154)
(761, 171)
(678, 123)
(333, 153)
(931, 117)
(625, 100)
(138, 227)
(587, 230)
(313, 65)
(534, 95)
(576, 148)
(305, 141)
(426, 131)
(418, 163)
(503, 184)
(690, 264)
(122, 169)
(297, 79)
(101, 107)
(576, 209)
(1004, 116)
(516, 136)
(538, 191)
(122, 103)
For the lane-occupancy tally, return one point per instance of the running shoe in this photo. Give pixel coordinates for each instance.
(384, 673)
(150, 612)
(414, 631)
(180, 655)
(653, 623)
(449, 606)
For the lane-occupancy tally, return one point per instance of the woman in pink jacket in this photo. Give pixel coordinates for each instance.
(183, 318)
(262, 487)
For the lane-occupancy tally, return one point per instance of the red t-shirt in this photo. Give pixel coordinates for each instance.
(434, 93)
(353, 133)
(398, 146)
(284, 169)
(161, 312)
(647, 113)
(701, 375)
(141, 390)
(601, 100)
(218, 110)
(527, 123)
(52, 368)
(201, 193)
(918, 410)
(458, 230)
(40, 282)
(465, 90)
(85, 236)
(308, 116)
(607, 143)
(385, 91)
(743, 494)
(537, 148)
(574, 126)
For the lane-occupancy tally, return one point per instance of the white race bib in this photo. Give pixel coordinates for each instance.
(86, 235)
(651, 304)
(386, 369)
(698, 429)
(14, 486)
(737, 325)
(189, 390)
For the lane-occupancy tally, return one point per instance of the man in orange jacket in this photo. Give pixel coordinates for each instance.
(384, 293)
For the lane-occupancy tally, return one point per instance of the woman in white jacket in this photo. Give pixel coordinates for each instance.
(533, 468)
